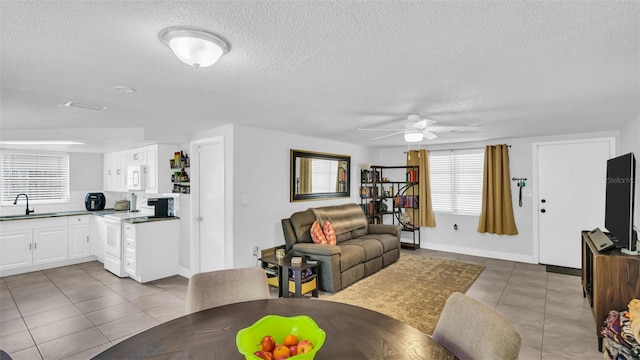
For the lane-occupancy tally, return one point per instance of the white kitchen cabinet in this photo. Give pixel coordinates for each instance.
(16, 249)
(50, 244)
(34, 242)
(158, 172)
(115, 171)
(79, 236)
(151, 249)
(137, 157)
(98, 237)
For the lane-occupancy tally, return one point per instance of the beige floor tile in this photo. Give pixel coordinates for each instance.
(72, 344)
(16, 342)
(112, 313)
(61, 328)
(40, 304)
(31, 353)
(100, 303)
(51, 316)
(167, 312)
(12, 326)
(127, 326)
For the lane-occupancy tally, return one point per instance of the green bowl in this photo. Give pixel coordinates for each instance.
(248, 339)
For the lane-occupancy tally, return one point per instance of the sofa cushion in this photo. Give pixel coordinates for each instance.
(301, 223)
(359, 232)
(329, 233)
(317, 235)
(371, 247)
(351, 256)
(388, 241)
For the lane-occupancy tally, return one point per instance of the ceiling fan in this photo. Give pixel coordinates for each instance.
(416, 129)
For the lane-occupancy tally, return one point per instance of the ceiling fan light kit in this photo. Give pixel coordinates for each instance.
(413, 135)
(197, 48)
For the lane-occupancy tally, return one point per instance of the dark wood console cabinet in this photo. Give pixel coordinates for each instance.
(610, 280)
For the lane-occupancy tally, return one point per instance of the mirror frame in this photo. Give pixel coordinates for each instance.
(295, 154)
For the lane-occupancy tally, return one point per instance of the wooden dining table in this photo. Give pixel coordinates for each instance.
(351, 333)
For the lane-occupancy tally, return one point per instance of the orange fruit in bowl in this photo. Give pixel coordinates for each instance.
(290, 340)
(281, 351)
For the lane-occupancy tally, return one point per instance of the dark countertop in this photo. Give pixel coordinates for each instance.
(145, 219)
(56, 214)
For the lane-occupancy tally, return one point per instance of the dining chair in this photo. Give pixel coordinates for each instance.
(473, 331)
(222, 287)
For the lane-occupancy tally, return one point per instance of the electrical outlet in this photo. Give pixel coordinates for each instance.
(255, 251)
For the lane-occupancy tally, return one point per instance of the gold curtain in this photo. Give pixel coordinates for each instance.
(420, 158)
(305, 176)
(496, 215)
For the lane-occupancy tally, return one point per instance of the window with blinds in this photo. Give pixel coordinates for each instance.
(43, 177)
(456, 181)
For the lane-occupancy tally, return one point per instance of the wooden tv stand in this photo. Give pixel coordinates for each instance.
(610, 280)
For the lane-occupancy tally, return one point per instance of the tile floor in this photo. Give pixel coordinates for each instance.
(75, 312)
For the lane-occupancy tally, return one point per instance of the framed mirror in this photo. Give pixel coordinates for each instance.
(316, 176)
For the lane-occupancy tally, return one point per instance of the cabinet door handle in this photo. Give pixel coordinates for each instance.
(35, 245)
(87, 239)
(29, 246)
(118, 172)
(109, 172)
(135, 156)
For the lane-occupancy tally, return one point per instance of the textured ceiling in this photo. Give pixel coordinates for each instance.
(321, 69)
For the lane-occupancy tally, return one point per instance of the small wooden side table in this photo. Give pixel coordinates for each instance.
(295, 285)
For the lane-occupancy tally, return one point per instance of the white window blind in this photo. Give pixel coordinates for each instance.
(43, 177)
(456, 181)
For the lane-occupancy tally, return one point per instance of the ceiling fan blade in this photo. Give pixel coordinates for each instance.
(420, 124)
(429, 135)
(384, 136)
(454, 128)
(361, 129)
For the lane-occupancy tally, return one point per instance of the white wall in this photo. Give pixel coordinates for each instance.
(466, 240)
(630, 142)
(261, 171)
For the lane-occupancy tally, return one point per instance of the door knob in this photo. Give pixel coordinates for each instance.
(543, 210)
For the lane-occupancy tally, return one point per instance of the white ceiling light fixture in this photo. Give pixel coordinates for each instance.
(72, 103)
(413, 135)
(194, 47)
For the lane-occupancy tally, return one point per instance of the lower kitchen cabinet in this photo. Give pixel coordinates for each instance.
(27, 243)
(79, 236)
(16, 249)
(151, 249)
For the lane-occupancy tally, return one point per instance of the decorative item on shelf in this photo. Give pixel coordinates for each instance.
(296, 260)
(279, 254)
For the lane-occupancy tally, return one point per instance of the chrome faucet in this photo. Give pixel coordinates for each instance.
(15, 202)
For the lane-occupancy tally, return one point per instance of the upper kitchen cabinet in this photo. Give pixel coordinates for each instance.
(151, 159)
(115, 171)
(158, 176)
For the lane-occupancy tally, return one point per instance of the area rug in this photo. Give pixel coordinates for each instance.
(413, 290)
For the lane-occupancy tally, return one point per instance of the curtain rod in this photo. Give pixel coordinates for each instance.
(473, 148)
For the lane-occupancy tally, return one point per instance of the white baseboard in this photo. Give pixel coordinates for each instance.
(481, 252)
(183, 271)
(28, 269)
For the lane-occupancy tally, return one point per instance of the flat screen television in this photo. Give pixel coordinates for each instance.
(619, 208)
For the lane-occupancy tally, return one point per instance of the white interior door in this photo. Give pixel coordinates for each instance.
(571, 197)
(211, 213)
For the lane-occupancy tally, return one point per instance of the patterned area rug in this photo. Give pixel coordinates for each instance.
(414, 289)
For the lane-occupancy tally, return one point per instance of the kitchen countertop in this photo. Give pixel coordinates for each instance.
(132, 217)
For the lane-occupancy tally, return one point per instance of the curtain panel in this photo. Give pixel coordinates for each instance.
(496, 214)
(420, 158)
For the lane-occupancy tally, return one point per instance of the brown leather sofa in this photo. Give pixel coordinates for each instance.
(362, 249)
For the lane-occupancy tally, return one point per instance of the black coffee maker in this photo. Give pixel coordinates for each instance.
(163, 206)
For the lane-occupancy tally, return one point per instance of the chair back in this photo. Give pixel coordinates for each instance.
(473, 331)
(222, 287)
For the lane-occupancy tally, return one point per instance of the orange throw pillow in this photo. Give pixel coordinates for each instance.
(329, 233)
(317, 235)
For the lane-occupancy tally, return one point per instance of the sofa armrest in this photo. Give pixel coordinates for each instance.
(385, 229)
(317, 249)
